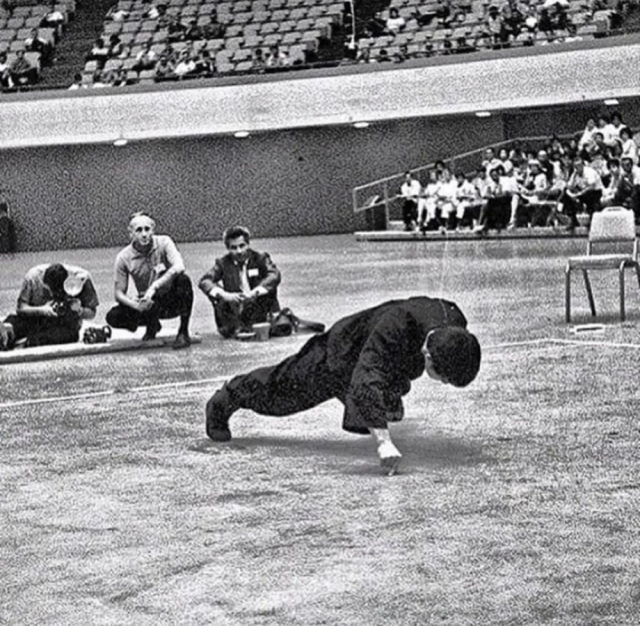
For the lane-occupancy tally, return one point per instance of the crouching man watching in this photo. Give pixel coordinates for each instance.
(163, 290)
(53, 302)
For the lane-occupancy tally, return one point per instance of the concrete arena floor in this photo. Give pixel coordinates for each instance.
(516, 503)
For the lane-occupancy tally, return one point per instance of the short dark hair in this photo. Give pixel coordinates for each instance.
(54, 277)
(455, 354)
(234, 232)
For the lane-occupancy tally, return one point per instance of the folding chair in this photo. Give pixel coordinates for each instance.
(611, 226)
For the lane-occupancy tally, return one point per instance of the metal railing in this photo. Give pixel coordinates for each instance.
(384, 193)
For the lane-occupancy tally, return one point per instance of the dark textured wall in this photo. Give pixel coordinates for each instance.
(277, 183)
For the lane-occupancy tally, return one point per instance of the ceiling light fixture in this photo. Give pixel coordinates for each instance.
(120, 141)
(361, 124)
(611, 102)
(483, 114)
(241, 134)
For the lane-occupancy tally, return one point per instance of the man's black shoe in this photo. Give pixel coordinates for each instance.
(152, 330)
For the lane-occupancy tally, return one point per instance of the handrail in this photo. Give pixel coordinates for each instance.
(377, 192)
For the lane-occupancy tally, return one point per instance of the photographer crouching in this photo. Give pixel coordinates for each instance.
(53, 302)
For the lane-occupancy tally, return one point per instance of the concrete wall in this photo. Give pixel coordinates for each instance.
(288, 182)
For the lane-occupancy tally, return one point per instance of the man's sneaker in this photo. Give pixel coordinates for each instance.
(182, 341)
(152, 330)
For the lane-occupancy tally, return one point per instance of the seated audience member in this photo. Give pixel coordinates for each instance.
(583, 192)
(258, 63)
(616, 124)
(186, 65)
(494, 27)
(54, 18)
(176, 30)
(205, 66)
(629, 147)
(34, 42)
(546, 165)
(364, 55)
(610, 191)
(608, 130)
(587, 138)
(428, 217)
(402, 54)
(146, 59)
(6, 82)
(154, 267)
(193, 32)
(99, 52)
(117, 14)
(501, 201)
(242, 285)
(276, 58)
(376, 26)
(149, 10)
(116, 47)
(443, 12)
(628, 193)
(447, 200)
(53, 301)
(535, 191)
(468, 199)
(395, 22)
(164, 69)
(464, 45)
(214, 29)
(383, 56)
(77, 83)
(410, 192)
(490, 160)
(517, 154)
(22, 72)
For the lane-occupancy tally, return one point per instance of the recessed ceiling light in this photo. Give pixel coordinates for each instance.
(361, 125)
(241, 134)
(611, 102)
(119, 142)
(483, 114)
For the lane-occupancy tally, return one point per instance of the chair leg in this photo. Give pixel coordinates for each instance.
(587, 284)
(622, 311)
(567, 294)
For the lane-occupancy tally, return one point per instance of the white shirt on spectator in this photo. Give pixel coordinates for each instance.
(411, 189)
(590, 179)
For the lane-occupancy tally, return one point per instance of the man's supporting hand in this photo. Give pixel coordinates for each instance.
(387, 452)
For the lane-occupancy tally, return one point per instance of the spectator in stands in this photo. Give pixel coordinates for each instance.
(99, 52)
(205, 66)
(490, 160)
(494, 27)
(464, 45)
(364, 55)
(117, 14)
(468, 199)
(505, 161)
(443, 12)
(149, 10)
(116, 47)
(54, 18)
(276, 58)
(77, 83)
(402, 54)
(214, 29)
(6, 82)
(428, 218)
(146, 59)
(34, 42)
(616, 123)
(164, 69)
(447, 200)
(587, 139)
(607, 129)
(176, 31)
(376, 26)
(629, 147)
(610, 191)
(628, 194)
(410, 192)
(534, 191)
(22, 71)
(186, 65)
(258, 64)
(395, 22)
(584, 190)
(193, 32)
(501, 201)
(546, 165)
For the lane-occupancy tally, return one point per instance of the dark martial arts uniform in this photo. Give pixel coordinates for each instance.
(366, 360)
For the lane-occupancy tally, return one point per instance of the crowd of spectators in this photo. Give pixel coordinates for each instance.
(560, 183)
(451, 27)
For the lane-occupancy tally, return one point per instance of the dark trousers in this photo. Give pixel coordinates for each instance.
(234, 317)
(45, 331)
(177, 301)
(588, 201)
(300, 382)
(409, 212)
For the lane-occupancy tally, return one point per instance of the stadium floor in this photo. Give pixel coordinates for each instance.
(516, 502)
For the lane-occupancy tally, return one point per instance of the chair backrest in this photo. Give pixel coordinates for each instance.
(612, 225)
